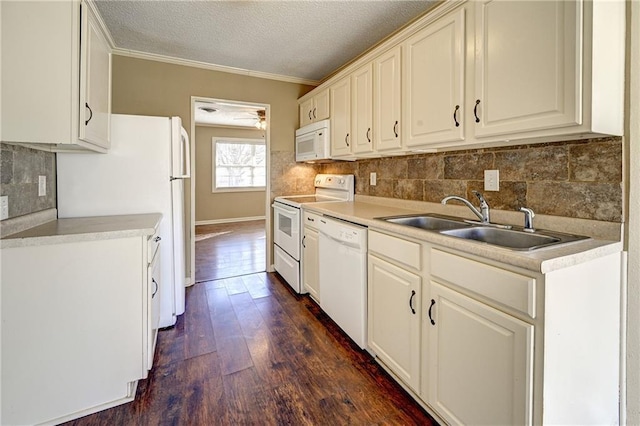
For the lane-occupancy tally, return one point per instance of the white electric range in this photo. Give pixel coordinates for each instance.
(287, 223)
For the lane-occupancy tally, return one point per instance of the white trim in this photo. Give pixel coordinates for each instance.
(267, 197)
(212, 67)
(631, 397)
(230, 220)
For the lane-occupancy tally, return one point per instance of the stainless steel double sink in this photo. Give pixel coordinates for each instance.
(510, 237)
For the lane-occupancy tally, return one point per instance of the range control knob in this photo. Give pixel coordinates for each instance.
(341, 181)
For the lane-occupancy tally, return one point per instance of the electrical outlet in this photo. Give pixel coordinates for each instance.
(372, 178)
(42, 186)
(491, 180)
(4, 207)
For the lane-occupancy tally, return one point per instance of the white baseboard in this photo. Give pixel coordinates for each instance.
(235, 219)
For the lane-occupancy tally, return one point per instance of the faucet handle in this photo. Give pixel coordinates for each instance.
(483, 202)
(528, 219)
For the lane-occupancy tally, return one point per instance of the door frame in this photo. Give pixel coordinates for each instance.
(267, 197)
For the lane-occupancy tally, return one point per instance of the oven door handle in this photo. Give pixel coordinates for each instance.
(283, 208)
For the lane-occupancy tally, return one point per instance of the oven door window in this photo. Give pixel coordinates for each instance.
(285, 224)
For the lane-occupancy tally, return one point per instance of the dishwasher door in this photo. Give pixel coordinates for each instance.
(343, 276)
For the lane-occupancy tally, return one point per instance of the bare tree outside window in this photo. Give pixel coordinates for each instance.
(239, 164)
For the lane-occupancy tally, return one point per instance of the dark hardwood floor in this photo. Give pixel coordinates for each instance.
(248, 351)
(230, 249)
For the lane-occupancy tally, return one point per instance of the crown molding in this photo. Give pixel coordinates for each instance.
(212, 67)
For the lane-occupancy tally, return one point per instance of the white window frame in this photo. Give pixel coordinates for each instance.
(242, 141)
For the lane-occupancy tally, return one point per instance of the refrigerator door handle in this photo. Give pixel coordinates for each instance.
(181, 152)
(187, 150)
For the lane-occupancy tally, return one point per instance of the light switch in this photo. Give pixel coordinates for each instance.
(4, 207)
(42, 186)
(372, 178)
(491, 180)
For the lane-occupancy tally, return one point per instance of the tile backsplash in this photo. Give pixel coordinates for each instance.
(581, 179)
(19, 171)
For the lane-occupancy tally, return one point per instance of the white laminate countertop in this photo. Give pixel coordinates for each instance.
(542, 260)
(84, 229)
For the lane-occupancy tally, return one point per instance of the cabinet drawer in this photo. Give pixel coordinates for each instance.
(152, 247)
(311, 219)
(402, 251)
(505, 287)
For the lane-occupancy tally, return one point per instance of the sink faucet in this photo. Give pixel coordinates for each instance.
(483, 213)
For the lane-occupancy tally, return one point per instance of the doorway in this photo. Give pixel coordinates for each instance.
(230, 187)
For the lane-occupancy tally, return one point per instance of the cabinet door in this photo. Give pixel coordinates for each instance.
(95, 83)
(386, 101)
(480, 361)
(394, 319)
(527, 73)
(153, 303)
(362, 109)
(306, 109)
(340, 100)
(321, 106)
(310, 257)
(433, 70)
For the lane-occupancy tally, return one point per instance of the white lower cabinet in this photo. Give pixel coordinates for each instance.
(154, 279)
(495, 344)
(394, 319)
(310, 256)
(78, 330)
(479, 361)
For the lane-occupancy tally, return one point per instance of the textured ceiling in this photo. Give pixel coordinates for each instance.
(301, 39)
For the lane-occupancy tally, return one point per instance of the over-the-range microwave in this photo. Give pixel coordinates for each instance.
(313, 142)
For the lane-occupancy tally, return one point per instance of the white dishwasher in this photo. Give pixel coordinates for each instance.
(343, 276)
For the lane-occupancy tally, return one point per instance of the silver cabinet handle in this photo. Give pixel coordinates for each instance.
(395, 129)
(346, 139)
(156, 239)
(156, 289)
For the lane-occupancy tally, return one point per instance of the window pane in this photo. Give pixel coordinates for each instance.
(239, 165)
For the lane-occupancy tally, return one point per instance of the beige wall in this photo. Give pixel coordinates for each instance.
(216, 206)
(146, 87)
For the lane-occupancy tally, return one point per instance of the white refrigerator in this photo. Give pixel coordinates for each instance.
(143, 172)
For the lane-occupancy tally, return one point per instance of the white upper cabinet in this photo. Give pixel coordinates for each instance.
(527, 73)
(362, 109)
(496, 73)
(95, 83)
(61, 64)
(340, 100)
(315, 108)
(433, 78)
(544, 70)
(387, 98)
